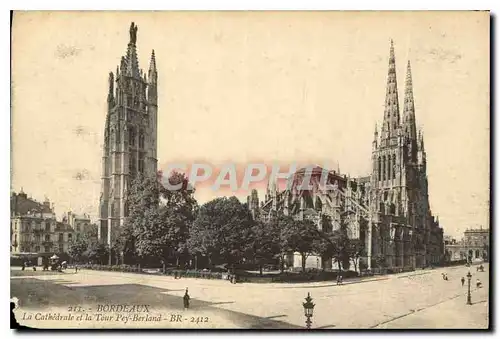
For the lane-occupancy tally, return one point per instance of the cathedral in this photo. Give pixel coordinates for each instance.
(387, 211)
(130, 135)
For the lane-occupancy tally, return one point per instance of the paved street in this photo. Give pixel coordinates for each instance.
(420, 299)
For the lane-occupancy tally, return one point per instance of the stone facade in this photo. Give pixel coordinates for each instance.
(130, 136)
(474, 246)
(388, 210)
(79, 223)
(34, 228)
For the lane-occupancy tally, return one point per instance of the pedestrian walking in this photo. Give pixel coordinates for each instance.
(339, 279)
(478, 283)
(462, 280)
(186, 300)
(76, 268)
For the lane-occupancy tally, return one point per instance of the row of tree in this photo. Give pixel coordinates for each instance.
(168, 226)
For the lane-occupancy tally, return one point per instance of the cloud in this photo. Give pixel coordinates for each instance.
(63, 51)
(440, 54)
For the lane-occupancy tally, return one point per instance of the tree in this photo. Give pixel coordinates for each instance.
(356, 250)
(90, 233)
(159, 219)
(125, 244)
(335, 244)
(97, 253)
(221, 231)
(143, 197)
(77, 248)
(264, 243)
(281, 225)
(179, 209)
(300, 238)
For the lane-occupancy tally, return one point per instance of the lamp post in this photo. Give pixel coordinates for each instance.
(469, 276)
(308, 310)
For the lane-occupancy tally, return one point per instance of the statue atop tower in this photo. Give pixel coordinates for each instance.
(133, 33)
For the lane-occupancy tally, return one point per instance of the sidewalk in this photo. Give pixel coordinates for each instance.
(453, 313)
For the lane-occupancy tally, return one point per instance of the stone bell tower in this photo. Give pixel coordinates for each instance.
(130, 136)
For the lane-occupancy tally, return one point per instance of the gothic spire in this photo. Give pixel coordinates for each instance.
(152, 80)
(410, 129)
(391, 111)
(153, 73)
(152, 64)
(131, 60)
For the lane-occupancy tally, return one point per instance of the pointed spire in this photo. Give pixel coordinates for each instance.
(409, 123)
(271, 186)
(153, 73)
(132, 64)
(152, 63)
(391, 111)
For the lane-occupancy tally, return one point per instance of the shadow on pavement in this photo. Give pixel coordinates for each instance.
(276, 316)
(41, 294)
(323, 327)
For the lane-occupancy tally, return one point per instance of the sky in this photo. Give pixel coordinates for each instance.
(246, 87)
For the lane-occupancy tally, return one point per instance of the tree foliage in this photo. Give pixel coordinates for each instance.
(159, 219)
(299, 236)
(221, 230)
(78, 247)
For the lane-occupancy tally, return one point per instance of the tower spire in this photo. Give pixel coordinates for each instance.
(131, 60)
(152, 63)
(152, 79)
(409, 124)
(391, 111)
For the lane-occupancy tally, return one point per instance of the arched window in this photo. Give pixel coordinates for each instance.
(394, 166)
(379, 169)
(132, 164)
(383, 168)
(141, 165)
(393, 209)
(125, 208)
(141, 139)
(389, 167)
(131, 136)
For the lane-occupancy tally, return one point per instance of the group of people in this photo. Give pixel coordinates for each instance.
(28, 264)
(479, 284)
